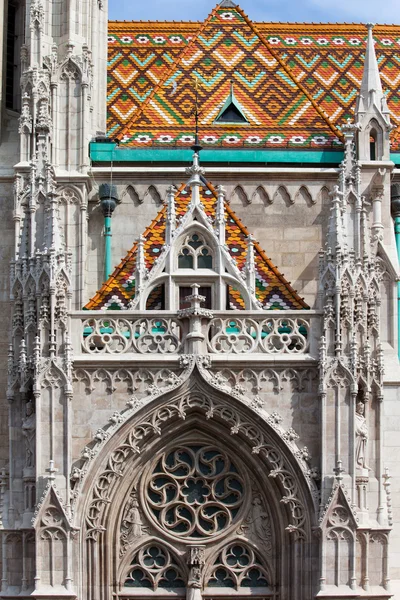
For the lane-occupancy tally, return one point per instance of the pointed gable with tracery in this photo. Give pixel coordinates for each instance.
(151, 257)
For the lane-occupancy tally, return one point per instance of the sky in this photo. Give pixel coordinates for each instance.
(364, 11)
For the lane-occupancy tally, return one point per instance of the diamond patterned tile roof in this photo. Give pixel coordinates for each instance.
(295, 82)
(272, 289)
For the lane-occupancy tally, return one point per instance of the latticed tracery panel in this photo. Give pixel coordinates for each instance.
(195, 492)
(236, 567)
(154, 567)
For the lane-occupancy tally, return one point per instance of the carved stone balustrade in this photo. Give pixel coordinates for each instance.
(263, 335)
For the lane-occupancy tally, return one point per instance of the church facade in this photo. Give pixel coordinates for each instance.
(217, 415)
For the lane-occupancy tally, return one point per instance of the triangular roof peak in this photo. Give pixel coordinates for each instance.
(196, 209)
(227, 46)
(228, 4)
(339, 502)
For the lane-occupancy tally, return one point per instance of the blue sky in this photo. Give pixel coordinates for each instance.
(383, 11)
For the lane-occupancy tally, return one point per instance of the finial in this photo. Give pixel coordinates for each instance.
(250, 266)
(220, 215)
(227, 4)
(338, 470)
(51, 471)
(170, 224)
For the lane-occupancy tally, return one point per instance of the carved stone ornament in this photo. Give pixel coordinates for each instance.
(29, 433)
(154, 567)
(152, 425)
(195, 492)
(238, 566)
(131, 525)
(361, 430)
(257, 524)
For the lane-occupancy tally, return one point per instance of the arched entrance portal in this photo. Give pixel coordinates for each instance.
(196, 497)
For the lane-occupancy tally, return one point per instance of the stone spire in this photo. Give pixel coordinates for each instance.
(371, 92)
(372, 114)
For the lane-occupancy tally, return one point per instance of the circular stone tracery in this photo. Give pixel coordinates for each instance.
(194, 492)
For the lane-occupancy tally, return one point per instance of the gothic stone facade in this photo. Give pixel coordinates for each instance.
(222, 440)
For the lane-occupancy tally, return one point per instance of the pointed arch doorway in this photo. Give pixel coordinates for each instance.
(197, 524)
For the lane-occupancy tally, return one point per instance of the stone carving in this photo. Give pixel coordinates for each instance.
(244, 335)
(102, 335)
(154, 567)
(258, 523)
(142, 430)
(256, 380)
(131, 525)
(238, 566)
(361, 430)
(137, 381)
(195, 492)
(196, 562)
(29, 433)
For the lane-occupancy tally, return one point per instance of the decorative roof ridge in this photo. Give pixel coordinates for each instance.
(167, 74)
(288, 71)
(257, 246)
(264, 41)
(284, 24)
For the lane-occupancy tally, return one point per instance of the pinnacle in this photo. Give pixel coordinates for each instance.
(228, 4)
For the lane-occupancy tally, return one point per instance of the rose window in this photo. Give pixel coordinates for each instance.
(195, 492)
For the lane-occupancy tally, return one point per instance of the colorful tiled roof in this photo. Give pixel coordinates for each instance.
(272, 289)
(296, 82)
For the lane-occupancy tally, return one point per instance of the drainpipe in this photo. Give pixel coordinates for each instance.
(395, 206)
(108, 201)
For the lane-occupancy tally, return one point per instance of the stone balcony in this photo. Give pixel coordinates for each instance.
(287, 336)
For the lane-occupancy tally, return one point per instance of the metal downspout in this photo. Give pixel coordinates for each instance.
(108, 201)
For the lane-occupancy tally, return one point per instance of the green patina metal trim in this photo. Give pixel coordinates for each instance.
(107, 248)
(110, 152)
(104, 152)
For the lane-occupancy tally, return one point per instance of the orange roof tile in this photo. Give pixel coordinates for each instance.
(296, 82)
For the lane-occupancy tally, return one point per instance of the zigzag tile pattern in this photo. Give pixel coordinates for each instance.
(136, 64)
(155, 107)
(273, 291)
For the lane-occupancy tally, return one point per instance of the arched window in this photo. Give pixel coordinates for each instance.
(372, 144)
(195, 253)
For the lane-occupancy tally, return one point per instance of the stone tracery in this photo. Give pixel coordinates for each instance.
(195, 491)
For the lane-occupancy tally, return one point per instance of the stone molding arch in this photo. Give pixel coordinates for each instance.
(192, 407)
(263, 441)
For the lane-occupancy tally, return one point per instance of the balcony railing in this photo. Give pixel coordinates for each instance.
(274, 333)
